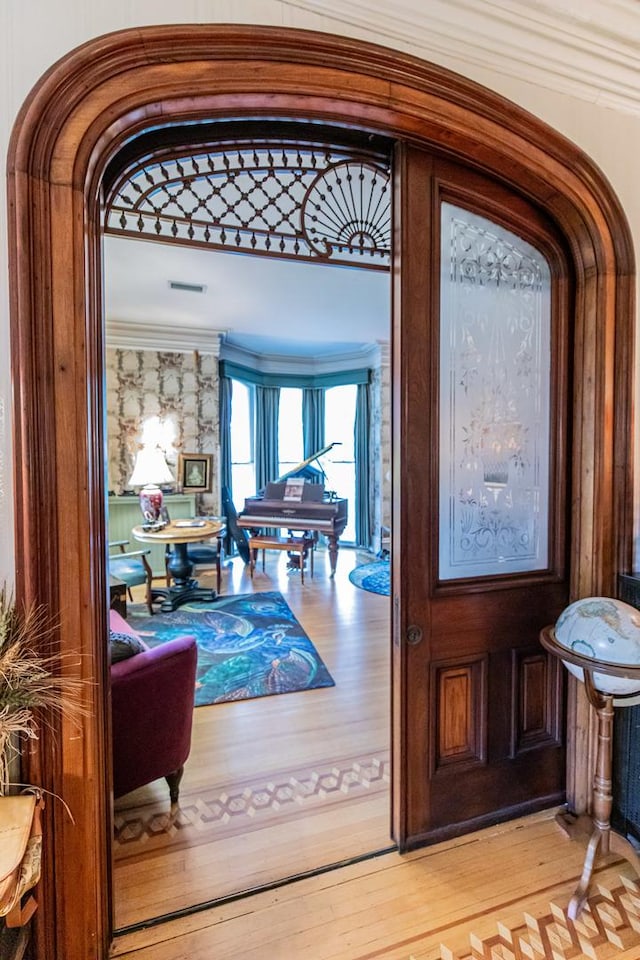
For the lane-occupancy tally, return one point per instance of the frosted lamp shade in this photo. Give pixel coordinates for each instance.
(150, 468)
(606, 629)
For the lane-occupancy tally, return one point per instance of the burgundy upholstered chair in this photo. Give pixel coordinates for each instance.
(152, 697)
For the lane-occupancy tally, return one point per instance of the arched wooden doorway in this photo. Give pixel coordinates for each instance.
(81, 112)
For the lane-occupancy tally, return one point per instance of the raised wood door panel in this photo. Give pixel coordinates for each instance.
(483, 735)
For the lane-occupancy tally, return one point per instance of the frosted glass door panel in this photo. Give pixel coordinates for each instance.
(494, 400)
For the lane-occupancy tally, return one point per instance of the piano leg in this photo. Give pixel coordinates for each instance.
(333, 552)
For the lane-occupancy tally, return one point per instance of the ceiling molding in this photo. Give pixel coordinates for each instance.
(125, 335)
(368, 355)
(589, 49)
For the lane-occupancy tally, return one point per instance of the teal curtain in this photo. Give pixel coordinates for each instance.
(226, 474)
(226, 400)
(361, 434)
(312, 420)
(266, 435)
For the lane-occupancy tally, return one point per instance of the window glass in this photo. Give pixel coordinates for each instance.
(339, 464)
(290, 443)
(340, 415)
(243, 474)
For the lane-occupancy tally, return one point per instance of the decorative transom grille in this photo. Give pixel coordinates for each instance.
(277, 198)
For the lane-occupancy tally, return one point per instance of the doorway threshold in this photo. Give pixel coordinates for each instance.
(251, 892)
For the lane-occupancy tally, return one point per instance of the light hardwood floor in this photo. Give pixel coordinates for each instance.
(499, 894)
(275, 786)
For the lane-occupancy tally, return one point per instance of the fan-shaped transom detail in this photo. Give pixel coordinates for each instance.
(276, 197)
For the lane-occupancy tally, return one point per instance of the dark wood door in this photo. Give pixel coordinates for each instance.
(481, 307)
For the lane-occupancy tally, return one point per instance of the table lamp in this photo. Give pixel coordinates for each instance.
(149, 471)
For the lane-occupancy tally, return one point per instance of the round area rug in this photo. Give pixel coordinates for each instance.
(374, 577)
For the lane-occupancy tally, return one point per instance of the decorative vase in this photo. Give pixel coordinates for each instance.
(151, 502)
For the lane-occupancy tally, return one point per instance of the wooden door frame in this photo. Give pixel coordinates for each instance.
(78, 115)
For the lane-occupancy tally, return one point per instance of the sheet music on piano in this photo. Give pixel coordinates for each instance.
(294, 489)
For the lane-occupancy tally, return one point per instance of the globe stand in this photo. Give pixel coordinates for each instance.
(603, 838)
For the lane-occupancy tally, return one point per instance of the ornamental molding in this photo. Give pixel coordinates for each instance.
(589, 50)
(368, 355)
(125, 335)
(265, 195)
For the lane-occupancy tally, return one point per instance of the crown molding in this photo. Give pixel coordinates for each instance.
(125, 335)
(590, 50)
(366, 356)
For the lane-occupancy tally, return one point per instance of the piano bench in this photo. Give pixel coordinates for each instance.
(300, 545)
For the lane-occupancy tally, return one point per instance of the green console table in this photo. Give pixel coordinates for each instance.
(124, 514)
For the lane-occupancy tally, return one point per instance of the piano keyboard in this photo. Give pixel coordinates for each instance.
(281, 520)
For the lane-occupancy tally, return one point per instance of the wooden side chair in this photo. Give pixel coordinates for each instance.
(132, 568)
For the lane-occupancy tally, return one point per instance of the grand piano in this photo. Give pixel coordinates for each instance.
(317, 511)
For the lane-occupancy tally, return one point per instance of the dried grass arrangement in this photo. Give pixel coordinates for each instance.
(30, 682)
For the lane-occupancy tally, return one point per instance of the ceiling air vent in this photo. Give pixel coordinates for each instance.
(189, 287)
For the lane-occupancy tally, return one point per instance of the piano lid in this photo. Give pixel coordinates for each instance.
(304, 468)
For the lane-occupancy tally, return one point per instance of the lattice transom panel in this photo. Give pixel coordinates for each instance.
(301, 201)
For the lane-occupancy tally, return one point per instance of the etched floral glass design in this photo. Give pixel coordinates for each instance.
(494, 400)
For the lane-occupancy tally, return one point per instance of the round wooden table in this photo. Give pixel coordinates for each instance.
(177, 535)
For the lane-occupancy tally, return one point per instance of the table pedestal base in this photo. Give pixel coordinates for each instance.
(179, 593)
(178, 536)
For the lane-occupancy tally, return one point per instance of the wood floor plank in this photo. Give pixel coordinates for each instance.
(483, 897)
(499, 894)
(261, 772)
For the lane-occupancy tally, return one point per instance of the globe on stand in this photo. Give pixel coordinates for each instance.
(598, 640)
(599, 631)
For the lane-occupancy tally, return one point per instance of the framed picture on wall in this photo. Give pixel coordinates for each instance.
(194, 472)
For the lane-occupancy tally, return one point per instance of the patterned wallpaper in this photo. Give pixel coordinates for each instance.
(181, 390)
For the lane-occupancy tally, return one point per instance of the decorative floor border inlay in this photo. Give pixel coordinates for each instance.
(246, 805)
(611, 919)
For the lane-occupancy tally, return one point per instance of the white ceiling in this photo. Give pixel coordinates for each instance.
(267, 305)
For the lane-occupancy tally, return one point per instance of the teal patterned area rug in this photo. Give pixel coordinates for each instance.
(249, 645)
(374, 577)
